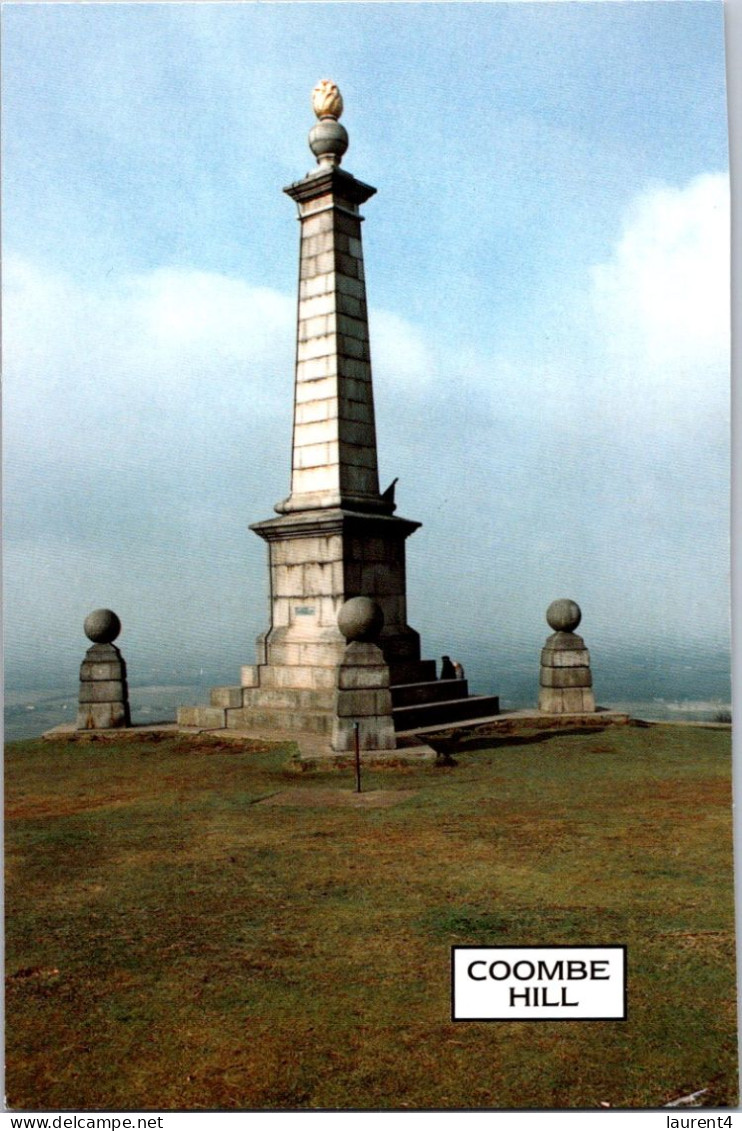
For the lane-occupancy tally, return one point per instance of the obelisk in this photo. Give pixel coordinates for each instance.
(336, 536)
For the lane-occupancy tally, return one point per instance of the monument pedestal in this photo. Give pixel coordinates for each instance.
(566, 682)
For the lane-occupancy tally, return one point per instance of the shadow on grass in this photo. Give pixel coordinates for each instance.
(447, 746)
(489, 741)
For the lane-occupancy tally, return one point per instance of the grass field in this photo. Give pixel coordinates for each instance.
(174, 942)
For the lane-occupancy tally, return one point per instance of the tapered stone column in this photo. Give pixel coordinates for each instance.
(334, 461)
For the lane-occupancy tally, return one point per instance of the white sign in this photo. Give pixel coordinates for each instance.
(538, 983)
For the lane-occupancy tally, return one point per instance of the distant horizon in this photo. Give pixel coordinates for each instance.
(664, 669)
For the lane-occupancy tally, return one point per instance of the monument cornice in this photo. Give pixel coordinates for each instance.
(330, 179)
(330, 520)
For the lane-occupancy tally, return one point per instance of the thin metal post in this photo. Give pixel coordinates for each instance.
(357, 743)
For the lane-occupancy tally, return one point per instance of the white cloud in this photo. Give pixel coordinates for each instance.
(149, 353)
(400, 353)
(84, 364)
(199, 314)
(639, 354)
(662, 300)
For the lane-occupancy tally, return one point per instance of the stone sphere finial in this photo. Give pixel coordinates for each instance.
(328, 140)
(564, 615)
(360, 618)
(102, 626)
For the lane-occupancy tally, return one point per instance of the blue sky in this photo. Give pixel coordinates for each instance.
(547, 271)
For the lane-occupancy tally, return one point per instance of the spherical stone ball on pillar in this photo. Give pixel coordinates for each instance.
(104, 695)
(362, 619)
(563, 615)
(102, 626)
(362, 693)
(566, 682)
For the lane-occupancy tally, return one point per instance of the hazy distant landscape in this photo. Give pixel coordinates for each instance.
(660, 686)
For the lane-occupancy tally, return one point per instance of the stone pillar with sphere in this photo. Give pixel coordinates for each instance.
(566, 682)
(104, 695)
(362, 695)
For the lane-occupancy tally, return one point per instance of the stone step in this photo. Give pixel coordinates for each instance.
(432, 691)
(288, 698)
(208, 718)
(226, 696)
(449, 711)
(277, 693)
(276, 719)
(412, 671)
(294, 675)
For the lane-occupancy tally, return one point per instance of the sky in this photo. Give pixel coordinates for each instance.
(547, 266)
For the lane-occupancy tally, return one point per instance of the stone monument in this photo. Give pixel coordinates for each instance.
(566, 683)
(336, 536)
(104, 695)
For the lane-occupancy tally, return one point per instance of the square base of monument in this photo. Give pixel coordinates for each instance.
(103, 716)
(566, 700)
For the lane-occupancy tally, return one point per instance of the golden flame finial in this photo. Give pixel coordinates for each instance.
(327, 101)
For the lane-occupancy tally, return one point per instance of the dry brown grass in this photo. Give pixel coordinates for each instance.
(174, 943)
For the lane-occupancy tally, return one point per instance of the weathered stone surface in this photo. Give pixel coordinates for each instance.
(249, 675)
(102, 626)
(317, 368)
(306, 653)
(103, 691)
(373, 734)
(564, 641)
(374, 677)
(360, 619)
(324, 388)
(563, 615)
(226, 697)
(288, 698)
(267, 718)
(588, 700)
(566, 677)
(103, 653)
(102, 716)
(298, 676)
(103, 670)
(362, 702)
(429, 691)
(316, 432)
(350, 286)
(318, 222)
(559, 701)
(312, 411)
(210, 718)
(579, 658)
